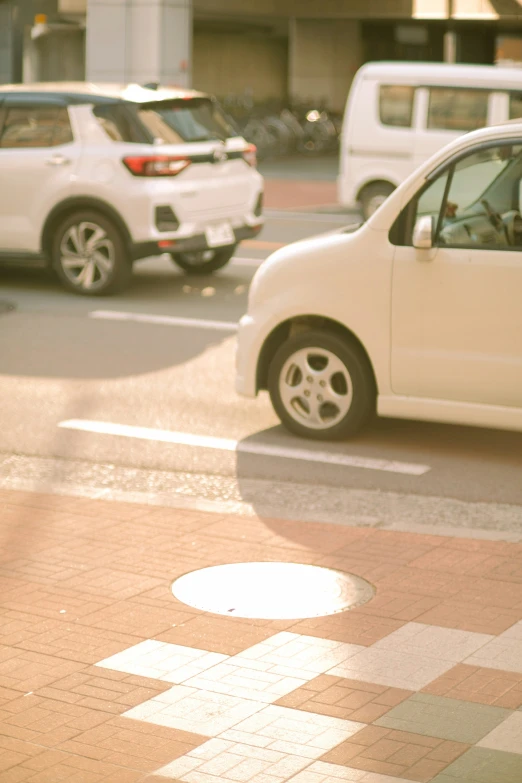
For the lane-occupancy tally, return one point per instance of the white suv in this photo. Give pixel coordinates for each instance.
(93, 178)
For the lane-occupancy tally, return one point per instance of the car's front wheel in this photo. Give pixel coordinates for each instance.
(204, 262)
(89, 255)
(321, 386)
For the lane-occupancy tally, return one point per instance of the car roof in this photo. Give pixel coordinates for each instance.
(87, 92)
(419, 73)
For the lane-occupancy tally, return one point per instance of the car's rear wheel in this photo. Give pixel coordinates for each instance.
(322, 386)
(373, 196)
(204, 262)
(89, 255)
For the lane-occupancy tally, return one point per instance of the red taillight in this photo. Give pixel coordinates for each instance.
(250, 155)
(156, 165)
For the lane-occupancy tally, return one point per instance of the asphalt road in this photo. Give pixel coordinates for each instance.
(64, 359)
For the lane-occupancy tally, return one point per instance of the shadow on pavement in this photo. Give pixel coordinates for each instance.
(467, 463)
(51, 334)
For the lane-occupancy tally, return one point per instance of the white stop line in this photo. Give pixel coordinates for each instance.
(243, 447)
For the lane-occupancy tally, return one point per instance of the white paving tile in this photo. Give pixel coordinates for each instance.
(162, 661)
(506, 736)
(234, 763)
(247, 683)
(196, 711)
(321, 772)
(446, 644)
(395, 669)
(296, 655)
(271, 669)
(503, 652)
(293, 732)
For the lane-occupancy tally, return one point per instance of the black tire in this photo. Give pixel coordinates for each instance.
(373, 196)
(197, 263)
(117, 270)
(361, 385)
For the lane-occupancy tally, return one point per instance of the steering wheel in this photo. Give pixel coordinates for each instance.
(494, 217)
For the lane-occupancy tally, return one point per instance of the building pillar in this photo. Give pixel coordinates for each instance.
(139, 41)
(324, 56)
(450, 36)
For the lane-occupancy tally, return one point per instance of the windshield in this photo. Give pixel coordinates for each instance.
(176, 122)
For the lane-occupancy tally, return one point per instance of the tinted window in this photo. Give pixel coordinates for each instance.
(176, 122)
(36, 126)
(457, 110)
(396, 105)
(119, 125)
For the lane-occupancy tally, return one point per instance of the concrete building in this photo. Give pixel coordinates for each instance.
(308, 50)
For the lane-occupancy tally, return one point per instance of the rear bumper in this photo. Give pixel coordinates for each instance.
(189, 244)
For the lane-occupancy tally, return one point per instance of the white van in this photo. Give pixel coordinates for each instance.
(399, 114)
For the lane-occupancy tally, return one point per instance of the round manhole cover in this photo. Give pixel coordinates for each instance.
(272, 591)
(5, 306)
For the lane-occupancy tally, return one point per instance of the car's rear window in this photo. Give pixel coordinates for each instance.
(180, 121)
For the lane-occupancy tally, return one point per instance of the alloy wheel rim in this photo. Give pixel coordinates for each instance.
(315, 388)
(87, 255)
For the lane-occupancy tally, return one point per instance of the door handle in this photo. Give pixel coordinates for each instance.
(58, 160)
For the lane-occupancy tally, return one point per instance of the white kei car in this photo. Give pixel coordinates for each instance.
(94, 177)
(417, 314)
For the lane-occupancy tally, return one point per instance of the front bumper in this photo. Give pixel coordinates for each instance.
(189, 244)
(248, 347)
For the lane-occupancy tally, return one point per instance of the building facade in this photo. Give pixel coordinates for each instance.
(273, 50)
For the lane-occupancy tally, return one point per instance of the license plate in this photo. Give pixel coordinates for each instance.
(219, 234)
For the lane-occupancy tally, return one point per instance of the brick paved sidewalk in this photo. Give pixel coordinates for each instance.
(106, 678)
(299, 194)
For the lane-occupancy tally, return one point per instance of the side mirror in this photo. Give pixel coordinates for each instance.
(423, 233)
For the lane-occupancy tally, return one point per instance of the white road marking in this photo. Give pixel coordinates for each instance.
(243, 447)
(163, 320)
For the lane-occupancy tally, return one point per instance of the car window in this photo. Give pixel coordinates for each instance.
(474, 203)
(457, 109)
(177, 122)
(118, 124)
(396, 105)
(430, 200)
(36, 126)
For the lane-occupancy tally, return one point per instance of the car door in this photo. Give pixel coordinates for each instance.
(456, 313)
(38, 157)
